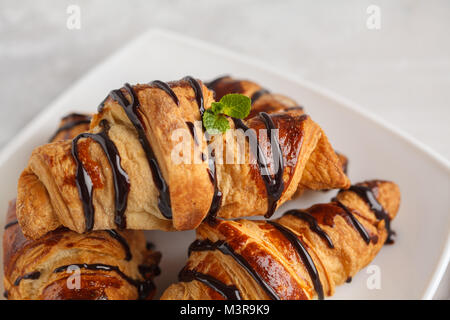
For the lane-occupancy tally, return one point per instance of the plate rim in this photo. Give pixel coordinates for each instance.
(24, 134)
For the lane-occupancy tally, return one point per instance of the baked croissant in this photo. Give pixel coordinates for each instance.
(121, 174)
(302, 255)
(113, 265)
(263, 100)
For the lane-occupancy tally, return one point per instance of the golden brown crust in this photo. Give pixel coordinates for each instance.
(189, 205)
(309, 160)
(22, 256)
(71, 126)
(276, 261)
(321, 172)
(265, 102)
(64, 248)
(50, 175)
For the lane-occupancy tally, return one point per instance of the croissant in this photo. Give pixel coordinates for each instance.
(302, 255)
(112, 265)
(263, 101)
(121, 174)
(30, 265)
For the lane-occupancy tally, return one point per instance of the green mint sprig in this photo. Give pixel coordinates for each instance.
(233, 105)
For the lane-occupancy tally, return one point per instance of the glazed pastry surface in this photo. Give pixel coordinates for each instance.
(263, 100)
(112, 265)
(302, 255)
(121, 174)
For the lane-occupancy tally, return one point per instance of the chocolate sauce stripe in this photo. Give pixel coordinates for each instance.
(274, 186)
(10, 224)
(356, 213)
(86, 188)
(123, 242)
(313, 224)
(355, 222)
(75, 115)
(198, 93)
(304, 256)
(258, 94)
(29, 276)
(228, 292)
(131, 110)
(166, 88)
(225, 248)
(70, 125)
(144, 288)
(217, 196)
(191, 127)
(367, 194)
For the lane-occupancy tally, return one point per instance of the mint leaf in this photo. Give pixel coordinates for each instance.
(215, 123)
(217, 107)
(236, 105)
(232, 105)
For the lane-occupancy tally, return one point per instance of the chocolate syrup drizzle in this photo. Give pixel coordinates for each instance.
(198, 93)
(225, 248)
(192, 131)
(313, 224)
(82, 119)
(131, 110)
(207, 245)
(217, 197)
(123, 242)
(166, 88)
(212, 84)
(304, 255)
(228, 292)
(75, 115)
(258, 94)
(86, 187)
(366, 193)
(274, 185)
(144, 288)
(29, 276)
(12, 223)
(356, 224)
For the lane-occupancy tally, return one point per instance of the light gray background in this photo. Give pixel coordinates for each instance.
(400, 72)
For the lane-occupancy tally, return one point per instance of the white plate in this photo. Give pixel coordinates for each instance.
(410, 269)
